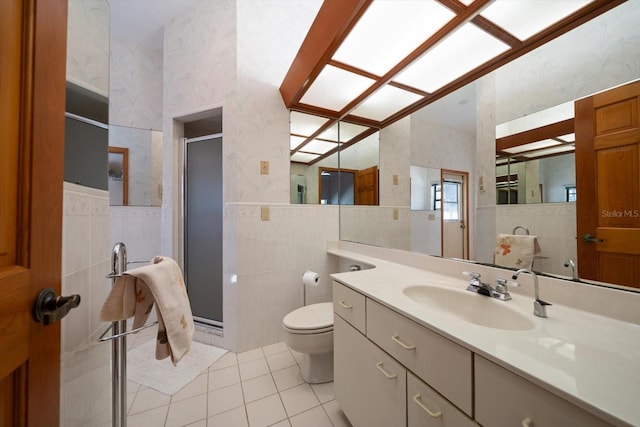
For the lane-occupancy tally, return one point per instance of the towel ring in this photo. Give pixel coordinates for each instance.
(517, 227)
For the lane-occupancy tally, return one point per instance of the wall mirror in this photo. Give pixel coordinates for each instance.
(332, 162)
(600, 54)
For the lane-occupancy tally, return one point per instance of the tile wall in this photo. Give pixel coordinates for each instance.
(85, 363)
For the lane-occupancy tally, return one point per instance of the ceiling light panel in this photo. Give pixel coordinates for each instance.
(459, 53)
(525, 18)
(346, 132)
(389, 31)
(571, 137)
(385, 102)
(305, 124)
(319, 147)
(294, 141)
(303, 157)
(335, 88)
(532, 146)
(553, 150)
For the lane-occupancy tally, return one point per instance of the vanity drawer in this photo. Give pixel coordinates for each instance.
(506, 399)
(350, 305)
(441, 363)
(426, 408)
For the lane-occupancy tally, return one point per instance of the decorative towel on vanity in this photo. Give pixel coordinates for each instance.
(134, 293)
(516, 250)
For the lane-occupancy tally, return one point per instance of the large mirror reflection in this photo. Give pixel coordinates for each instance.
(530, 187)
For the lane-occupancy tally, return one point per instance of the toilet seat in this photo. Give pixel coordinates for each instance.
(310, 319)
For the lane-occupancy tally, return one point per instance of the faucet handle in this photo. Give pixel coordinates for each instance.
(472, 274)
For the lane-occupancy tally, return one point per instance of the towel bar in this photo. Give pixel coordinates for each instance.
(133, 331)
(517, 227)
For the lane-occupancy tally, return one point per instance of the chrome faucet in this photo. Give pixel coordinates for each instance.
(539, 306)
(478, 286)
(571, 263)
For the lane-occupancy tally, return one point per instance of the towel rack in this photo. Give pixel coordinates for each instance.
(517, 227)
(119, 343)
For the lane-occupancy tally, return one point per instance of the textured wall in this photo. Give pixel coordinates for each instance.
(88, 45)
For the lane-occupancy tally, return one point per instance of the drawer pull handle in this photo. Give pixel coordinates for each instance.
(386, 374)
(416, 399)
(401, 344)
(345, 305)
(527, 422)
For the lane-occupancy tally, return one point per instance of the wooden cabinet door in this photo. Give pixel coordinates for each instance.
(608, 187)
(32, 93)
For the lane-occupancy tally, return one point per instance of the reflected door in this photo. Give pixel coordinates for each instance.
(203, 203)
(608, 194)
(454, 214)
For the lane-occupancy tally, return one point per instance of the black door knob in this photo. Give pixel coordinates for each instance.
(50, 308)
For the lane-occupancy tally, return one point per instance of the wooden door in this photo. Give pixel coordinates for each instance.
(32, 93)
(608, 193)
(366, 186)
(454, 214)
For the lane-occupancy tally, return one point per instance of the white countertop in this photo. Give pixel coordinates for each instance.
(588, 359)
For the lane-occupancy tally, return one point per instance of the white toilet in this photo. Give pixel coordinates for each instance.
(309, 330)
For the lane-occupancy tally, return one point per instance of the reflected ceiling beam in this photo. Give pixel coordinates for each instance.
(550, 131)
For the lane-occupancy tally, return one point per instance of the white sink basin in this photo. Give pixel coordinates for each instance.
(469, 306)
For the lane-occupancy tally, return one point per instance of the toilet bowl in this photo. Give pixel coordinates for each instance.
(309, 330)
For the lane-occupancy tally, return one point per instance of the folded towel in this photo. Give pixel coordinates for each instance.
(516, 250)
(134, 293)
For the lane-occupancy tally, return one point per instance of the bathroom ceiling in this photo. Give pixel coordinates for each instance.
(142, 21)
(370, 63)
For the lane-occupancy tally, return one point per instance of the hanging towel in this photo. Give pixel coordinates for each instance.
(133, 295)
(516, 250)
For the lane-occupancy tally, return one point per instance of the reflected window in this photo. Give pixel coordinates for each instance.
(570, 193)
(436, 196)
(451, 201)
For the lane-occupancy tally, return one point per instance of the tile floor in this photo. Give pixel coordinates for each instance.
(257, 388)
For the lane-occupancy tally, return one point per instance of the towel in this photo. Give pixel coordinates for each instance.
(133, 295)
(516, 250)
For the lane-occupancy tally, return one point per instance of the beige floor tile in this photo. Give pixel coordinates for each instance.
(274, 348)
(259, 387)
(281, 360)
(225, 399)
(194, 388)
(253, 369)
(323, 391)
(229, 359)
(288, 378)
(299, 399)
(315, 417)
(248, 356)
(187, 411)
(266, 412)
(153, 417)
(233, 418)
(224, 377)
(148, 398)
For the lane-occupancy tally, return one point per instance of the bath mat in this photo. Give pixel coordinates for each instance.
(161, 375)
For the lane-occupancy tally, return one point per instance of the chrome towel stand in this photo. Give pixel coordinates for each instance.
(119, 344)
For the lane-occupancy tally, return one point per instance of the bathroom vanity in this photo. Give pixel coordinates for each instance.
(408, 355)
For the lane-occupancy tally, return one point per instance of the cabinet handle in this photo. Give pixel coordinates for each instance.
(344, 305)
(401, 344)
(527, 422)
(386, 374)
(416, 399)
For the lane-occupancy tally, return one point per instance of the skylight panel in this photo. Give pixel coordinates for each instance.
(294, 141)
(532, 146)
(303, 157)
(461, 52)
(525, 18)
(346, 132)
(305, 124)
(335, 88)
(389, 31)
(385, 102)
(319, 147)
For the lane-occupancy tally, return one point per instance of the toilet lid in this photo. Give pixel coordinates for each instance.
(314, 316)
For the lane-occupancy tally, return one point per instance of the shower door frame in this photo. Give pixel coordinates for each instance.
(183, 215)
